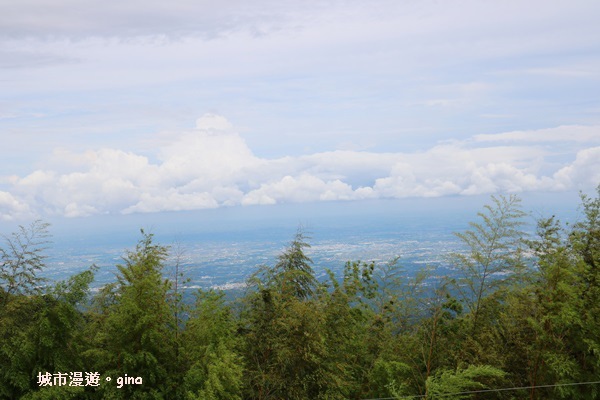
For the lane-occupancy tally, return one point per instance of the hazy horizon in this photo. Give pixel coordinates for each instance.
(222, 247)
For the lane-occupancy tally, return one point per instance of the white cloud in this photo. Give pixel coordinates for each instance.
(213, 122)
(455, 169)
(172, 200)
(305, 188)
(564, 133)
(206, 157)
(584, 171)
(212, 166)
(11, 208)
(38, 178)
(73, 210)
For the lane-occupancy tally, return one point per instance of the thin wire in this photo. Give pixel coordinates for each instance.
(486, 390)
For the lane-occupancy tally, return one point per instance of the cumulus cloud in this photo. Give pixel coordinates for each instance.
(209, 155)
(453, 169)
(212, 166)
(304, 188)
(585, 170)
(11, 208)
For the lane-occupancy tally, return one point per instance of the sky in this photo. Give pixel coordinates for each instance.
(150, 106)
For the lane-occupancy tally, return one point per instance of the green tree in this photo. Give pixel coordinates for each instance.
(293, 271)
(557, 308)
(493, 257)
(282, 324)
(22, 259)
(136, 336)
(584, 240)
(39, 325)
(284, 347)
(354, 334)
(41, 333)
(446, 382)
(540, 320)
(214, 369)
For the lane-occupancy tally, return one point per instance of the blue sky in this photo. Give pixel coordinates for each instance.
(147, 106)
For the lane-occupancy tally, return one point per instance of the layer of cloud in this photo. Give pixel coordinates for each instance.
(571, 133)
(212, 166)
(385, 75)
(69, 18)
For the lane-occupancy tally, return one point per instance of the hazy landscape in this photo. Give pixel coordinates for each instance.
(222, 248)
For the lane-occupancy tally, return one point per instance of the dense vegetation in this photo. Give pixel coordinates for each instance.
(522, 311)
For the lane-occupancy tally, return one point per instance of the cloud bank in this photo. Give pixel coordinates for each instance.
(212, 166)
